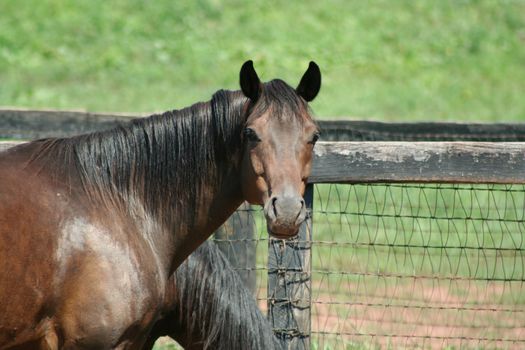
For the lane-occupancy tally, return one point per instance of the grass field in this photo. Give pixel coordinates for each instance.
(393, 60)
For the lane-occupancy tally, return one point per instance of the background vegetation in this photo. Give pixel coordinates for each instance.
(390, 60)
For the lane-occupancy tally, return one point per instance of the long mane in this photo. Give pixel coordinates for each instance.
(217, 308)
(182, 149)
(146, 157)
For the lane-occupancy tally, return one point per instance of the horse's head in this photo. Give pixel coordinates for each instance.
(279, 139)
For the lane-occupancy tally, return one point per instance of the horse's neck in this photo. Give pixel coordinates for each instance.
(219, 204)
(214, 191)
(176, 173)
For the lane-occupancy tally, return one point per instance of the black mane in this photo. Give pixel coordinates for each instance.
(216, 307)
(148, 156)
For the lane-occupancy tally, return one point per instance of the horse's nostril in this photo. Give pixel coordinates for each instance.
(274, 208)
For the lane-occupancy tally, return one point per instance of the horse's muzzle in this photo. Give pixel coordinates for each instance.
(284, 215)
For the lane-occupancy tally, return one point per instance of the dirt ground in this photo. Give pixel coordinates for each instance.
(421, 314)
(461, 314)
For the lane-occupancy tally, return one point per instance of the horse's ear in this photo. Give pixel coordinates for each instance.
(310, 82)
(250, 83)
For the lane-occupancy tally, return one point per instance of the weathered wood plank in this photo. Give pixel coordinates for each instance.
(361, 130)
(438, 162)
(8, 144)
(236, 239)
(34, 124)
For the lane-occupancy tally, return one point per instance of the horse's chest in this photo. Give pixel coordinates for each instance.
(113, 281)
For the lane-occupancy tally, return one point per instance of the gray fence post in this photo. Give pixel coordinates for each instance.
(289, 284)
(235, 238)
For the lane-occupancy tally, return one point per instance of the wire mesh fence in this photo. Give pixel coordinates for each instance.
(408, 265)
(419, 265)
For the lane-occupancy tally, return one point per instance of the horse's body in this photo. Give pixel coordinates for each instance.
(229, 319)
(64, 263)
(93, 226)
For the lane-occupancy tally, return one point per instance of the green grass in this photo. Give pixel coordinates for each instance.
(393, 221)
(390, 60)
(167, 346)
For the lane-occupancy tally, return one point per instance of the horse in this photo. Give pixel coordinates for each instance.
(93, 226)
(228, 319)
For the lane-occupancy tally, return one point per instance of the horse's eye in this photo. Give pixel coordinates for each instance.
(314, 139)
(251, 135)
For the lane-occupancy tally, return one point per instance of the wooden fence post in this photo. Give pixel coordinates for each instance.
(289, 284)
(235, 238)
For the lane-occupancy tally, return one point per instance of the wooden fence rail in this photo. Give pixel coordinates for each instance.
(420, 162)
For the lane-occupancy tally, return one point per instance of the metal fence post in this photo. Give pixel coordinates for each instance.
(289, 284)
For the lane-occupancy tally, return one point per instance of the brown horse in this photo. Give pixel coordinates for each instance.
(93, 226)
(228, 319)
